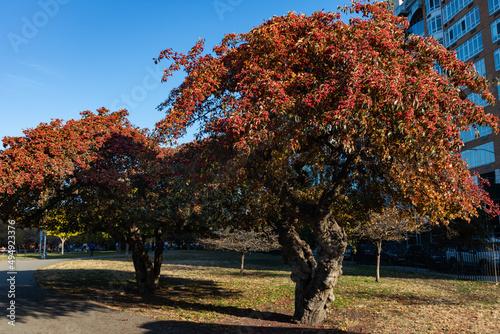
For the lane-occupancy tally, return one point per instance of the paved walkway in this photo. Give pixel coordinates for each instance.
(40, 310)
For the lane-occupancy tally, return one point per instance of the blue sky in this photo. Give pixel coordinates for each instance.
(60, 57)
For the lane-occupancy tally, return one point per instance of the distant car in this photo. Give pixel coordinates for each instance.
(481, 256)
(81, 249)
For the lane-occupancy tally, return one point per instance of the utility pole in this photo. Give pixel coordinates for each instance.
(40, 243)
(45, 244)
(43, 238)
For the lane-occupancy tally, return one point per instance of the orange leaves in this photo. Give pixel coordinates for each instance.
(361, 102)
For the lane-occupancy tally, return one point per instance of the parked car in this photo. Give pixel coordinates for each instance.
(480, 256)
(425, 256)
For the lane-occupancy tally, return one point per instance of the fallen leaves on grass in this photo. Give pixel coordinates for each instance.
(195, 289)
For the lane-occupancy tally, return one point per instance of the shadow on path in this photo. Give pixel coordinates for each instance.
(39, 310)
(182, 327)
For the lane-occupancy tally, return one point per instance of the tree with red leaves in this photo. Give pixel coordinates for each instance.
(120, 193)
(37, 170)
(103, 173)
(333, 119)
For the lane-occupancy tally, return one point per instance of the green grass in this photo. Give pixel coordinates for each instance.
(71, 255)
(206, 287)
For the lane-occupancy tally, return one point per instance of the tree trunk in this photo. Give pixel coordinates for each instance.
(147, 273)
(378, 243)
(314, 280)
(242, 262)
(62, 245)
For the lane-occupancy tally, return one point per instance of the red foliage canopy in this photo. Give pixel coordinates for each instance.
(358, 102)
(51, 152)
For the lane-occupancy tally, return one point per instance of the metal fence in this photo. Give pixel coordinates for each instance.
(472, 260)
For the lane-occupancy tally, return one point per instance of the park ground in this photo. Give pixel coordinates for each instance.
(206, 289)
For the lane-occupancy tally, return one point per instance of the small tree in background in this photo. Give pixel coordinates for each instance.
(241, 241)
(60, 226)
(64, 236)
(391, 224)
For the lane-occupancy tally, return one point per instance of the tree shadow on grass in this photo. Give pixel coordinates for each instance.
(188, 294)
(118, 289)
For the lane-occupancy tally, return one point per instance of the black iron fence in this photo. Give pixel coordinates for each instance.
(471, 260)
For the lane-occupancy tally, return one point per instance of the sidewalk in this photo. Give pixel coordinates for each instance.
(39, 310)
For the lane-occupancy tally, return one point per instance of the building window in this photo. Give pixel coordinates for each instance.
(463, 26)
(434, 24)
(470, 48)
(470, 134)
(432, 5)
(454, 7)
(497, 176)
(480, 68)
(496, 54)
(494, 6)
(479, 155)
(495, 30)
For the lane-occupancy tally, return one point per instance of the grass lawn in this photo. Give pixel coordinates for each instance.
(67, 255)
(206, 287)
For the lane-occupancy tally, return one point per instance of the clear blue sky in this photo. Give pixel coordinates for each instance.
(60, 57)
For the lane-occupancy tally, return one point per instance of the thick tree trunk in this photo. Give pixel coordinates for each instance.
(378, 243)
(314, 279)
(147, 272)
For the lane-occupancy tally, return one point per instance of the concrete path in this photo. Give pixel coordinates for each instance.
(40, 310)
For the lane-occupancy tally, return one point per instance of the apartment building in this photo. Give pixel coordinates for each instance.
(472, 29)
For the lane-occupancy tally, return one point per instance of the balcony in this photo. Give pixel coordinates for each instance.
(417, 29)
